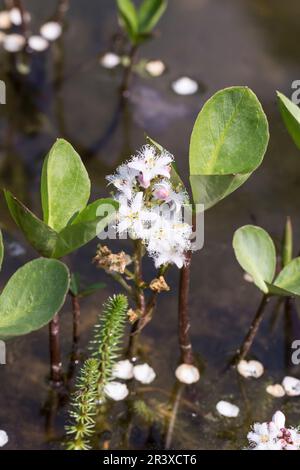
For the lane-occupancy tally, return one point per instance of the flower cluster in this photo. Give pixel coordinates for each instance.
(274, 435)
(151, 205)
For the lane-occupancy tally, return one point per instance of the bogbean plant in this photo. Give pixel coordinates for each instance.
(69, 222)
(138, 24)
(227, 144)
(256, 253)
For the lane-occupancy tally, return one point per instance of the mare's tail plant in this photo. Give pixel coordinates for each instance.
(96, 373)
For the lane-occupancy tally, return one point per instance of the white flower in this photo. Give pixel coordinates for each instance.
(3, 438)
(291, 386)
(14, 42)
(185, 86)
(187, 374)
(51, 30)
(116, 391)
(133, 217)
(110, 60)
(149, 165)
(123, 370)
(38, 43)
(264, 437)
(250, 369)
(144, 373)
(227, 409)
(124, 180)
(163, 191)
(276, 390)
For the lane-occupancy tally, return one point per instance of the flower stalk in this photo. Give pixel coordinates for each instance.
(55, 353)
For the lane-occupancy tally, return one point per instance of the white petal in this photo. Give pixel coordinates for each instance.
(144, 373)
(279, 419)
(3, 438)
(227, 409)
(276, 390)
(123, 370)
(291, 386)
(250, 369)
(51, 30)
(14, 42)
(187, 374)
(185, 86)
(110, 60)
(116, 391)
(137, 202)
(38, 43)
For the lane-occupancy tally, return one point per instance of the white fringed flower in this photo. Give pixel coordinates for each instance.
(274, 435)
(110, 60)
(124, 180)
(51, 30)
(133, 217)
(3, 438)
(291, 386)
(248, 369)
(185, 86)
(123, 370)
(144, 373)
(227, 409)
(14, 42)
(149, 165)
(187, 374)
(116, 391)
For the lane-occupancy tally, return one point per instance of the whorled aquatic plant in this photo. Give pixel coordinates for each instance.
(96, 373)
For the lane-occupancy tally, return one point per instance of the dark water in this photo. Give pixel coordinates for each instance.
(220, 43)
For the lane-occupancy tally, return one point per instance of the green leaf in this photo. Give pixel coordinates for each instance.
(209, 190)
(33, 295)
(228, 143)
(129, 18)
(291, 117)
(91, 289)
(85, 227)
(150, 13)
(41, 237)
(65, 185)
(255, 251)
(1, 250)
(289, 278)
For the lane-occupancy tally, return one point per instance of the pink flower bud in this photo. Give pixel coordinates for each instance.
(144, 182)
(161, 193)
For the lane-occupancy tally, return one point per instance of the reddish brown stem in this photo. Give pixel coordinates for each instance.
(76, 318)
(55, 356)
(183, 312)
(248, 341)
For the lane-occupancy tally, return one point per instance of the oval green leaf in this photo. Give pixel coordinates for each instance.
(65, 185)
(33, 295)
(289, 278)
(255, 252)
(230, 135)
(291, 117)
(150, 13)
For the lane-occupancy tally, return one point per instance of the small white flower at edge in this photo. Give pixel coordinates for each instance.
(187, 374)
(3, 438)
(227, 409)
(116, 391)
(144, 373)
(123, 370)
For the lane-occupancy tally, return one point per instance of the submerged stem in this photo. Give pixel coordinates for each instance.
(247, 343)
(55, 356)
(183, 312)
(76, 318)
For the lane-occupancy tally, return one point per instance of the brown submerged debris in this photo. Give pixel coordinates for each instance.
(133, 315)
(111, 262)
(159, 284)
